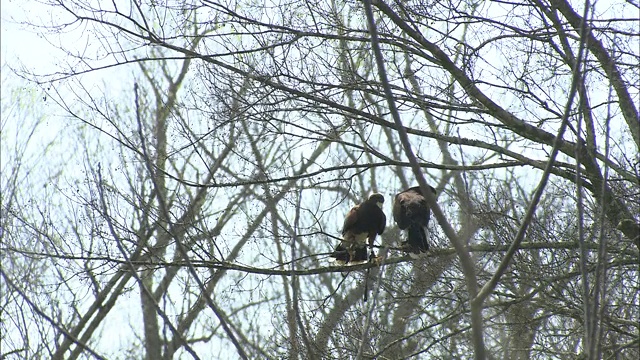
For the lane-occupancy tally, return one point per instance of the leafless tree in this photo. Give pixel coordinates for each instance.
(204, 182)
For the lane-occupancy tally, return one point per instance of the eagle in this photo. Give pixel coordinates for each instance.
(411, 212)
(363, 221)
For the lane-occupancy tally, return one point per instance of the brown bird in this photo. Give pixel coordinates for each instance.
(363, 221)
(411, 212)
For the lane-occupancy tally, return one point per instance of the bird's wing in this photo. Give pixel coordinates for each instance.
(396, 210)
(400, 210)
(351, 219)
(383, 223)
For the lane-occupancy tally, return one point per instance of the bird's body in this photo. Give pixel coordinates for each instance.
(363, 222)
(412, 213)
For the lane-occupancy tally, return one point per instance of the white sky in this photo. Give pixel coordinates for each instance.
(19, 44)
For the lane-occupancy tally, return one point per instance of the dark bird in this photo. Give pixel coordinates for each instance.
(411, 212)
(363, 221)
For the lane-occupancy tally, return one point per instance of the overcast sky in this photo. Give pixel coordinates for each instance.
(18, 43)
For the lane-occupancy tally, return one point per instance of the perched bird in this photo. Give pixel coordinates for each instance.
(363, 221)
(411, 212)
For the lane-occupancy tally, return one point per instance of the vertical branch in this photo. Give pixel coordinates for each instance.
(377, 274)
(601, 268)
(132, 267)
(259, 154)
(151, 329)
(181, 249)
(165, 102)
(584, 256)
(590, 302)
(295, 283)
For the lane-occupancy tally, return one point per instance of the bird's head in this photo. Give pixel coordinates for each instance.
(377, 198)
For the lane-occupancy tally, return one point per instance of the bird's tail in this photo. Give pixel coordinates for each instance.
(417, 240)
(360, 253)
